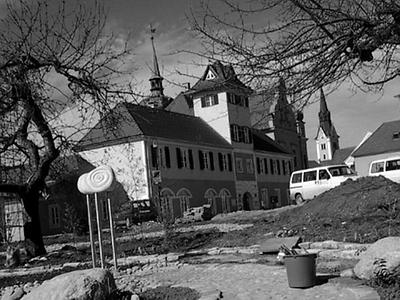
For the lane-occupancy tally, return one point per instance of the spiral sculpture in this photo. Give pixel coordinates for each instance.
(98, 180)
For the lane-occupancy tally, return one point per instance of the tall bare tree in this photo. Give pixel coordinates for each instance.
(311, 43)
(53, 54)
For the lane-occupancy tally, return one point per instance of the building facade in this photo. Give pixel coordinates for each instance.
(383, 143)
(201, 149)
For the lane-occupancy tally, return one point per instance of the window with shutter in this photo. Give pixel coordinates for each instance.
(215, 102)
(154, 157)
(266, 165)
(211, 161)
(201, 160)
(271, 165)
(179, 158)
(229, 162)
(167, 158)
(203, 101)
(258, 165)
(191, 164)
(278, 167)
(220, 161)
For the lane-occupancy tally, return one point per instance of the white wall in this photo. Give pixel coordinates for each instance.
(362, 163)
(129, 164)
(216, 115)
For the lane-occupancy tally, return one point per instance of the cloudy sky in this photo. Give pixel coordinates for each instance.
(354, 113)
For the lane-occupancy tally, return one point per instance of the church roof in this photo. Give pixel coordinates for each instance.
(127, 122)
(224, 78)
(385, 139)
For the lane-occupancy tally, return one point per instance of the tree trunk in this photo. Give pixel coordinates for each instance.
(32, 229)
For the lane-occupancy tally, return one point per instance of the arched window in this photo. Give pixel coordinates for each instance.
(184, 196)
(225, 197)
(210, 194)
(165, 202)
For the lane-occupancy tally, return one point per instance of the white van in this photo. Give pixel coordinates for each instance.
(388, 167)
(308, 183)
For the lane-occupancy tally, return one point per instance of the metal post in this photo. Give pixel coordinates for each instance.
(112, 232)
(99, 232)
(91, 232)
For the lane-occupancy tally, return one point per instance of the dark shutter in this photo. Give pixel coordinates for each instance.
(258, 165)
(211, 161)
(179, 158)
(154, 156)
(203, 101)
(266, 165)
(271, 165)
(215, 99)
(191, 165)
(246, 101)
(283, 168)
(250, 136)
(229, 162)
(232, 135)
(167, 158)
(220, 161)
(290, 167)
(241, 134)
(278, 166)
(201, 161)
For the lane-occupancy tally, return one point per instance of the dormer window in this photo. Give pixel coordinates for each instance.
(210, 75)
(396, 135)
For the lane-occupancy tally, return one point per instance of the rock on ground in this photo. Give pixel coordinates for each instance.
(387, 250)
(92, 284)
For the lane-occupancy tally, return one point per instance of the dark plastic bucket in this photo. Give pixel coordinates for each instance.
(301, 270)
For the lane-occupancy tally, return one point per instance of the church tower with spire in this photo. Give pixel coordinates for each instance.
(327, 139)
(157, 99)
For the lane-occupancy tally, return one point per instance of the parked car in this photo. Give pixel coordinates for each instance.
(134, 213)
(388, 167)
(308, 183)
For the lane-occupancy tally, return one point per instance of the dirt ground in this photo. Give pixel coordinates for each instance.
(362, 211)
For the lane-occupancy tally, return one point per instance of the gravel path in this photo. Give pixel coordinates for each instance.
(247, 281)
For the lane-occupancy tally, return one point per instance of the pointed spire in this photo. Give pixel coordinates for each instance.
(323, 107)
(156, 69)
(156, 79)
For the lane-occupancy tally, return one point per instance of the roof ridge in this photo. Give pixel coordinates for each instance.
(161, 110)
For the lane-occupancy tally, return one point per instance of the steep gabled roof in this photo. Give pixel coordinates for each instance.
(262, 142)
(131, 121)
(382, 140)
(225, 79)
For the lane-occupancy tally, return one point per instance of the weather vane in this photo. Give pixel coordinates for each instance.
(152, 30)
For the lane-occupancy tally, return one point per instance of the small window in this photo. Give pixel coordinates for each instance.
(296, 178)
(310, 176)
(396, 135)
(209, 100)
(271, 165)
(249, 165)
(377, 167)
(235, 133)
(266, 165)
(323, 146)
(239, 165)
(167, 157)
(54, 216)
